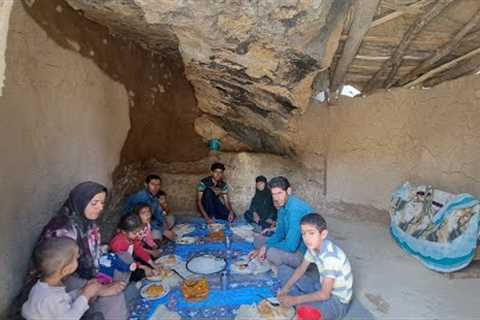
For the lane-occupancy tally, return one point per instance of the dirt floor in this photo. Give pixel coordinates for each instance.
(394, 285)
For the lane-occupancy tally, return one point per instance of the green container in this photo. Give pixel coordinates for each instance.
(214, 144)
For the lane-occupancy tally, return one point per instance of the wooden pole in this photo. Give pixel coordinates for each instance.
(364, 11)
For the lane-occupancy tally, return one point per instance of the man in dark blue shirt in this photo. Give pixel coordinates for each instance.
(148, 195)
(212, 196)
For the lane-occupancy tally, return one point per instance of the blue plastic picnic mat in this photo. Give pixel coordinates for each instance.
(184, 251)
(219, 304)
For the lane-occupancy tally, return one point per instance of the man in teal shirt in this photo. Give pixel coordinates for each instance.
(285, 246)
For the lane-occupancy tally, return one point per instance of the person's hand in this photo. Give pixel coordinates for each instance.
(149, 272)
(267, 231)
(210, 221)
(156, 253)
(270, 222)
(91, 289)
(231, 216)
(282, 292)
(262, 254)
(169, 234)
(287, 301)
(112, 289)
(259, 253)
(256, 218)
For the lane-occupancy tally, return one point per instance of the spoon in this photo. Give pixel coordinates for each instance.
(178, 274)
(246, 263)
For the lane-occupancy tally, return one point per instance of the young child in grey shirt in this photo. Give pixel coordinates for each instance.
(56, 259)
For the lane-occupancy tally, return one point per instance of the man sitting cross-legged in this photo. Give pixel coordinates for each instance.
(212, 196)
(285, 246)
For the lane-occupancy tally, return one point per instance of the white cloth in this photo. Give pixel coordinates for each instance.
(52, 303)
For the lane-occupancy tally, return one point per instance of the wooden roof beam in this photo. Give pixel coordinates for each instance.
(442, 68)
(364, 12)
(411, 9)
(443, 51)
(394, 63)
(468, 67)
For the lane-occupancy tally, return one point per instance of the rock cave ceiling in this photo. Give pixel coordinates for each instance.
(256, 64)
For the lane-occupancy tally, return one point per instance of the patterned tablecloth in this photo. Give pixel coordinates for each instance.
(220, 304)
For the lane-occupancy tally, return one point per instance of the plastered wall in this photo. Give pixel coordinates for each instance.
(62, 121)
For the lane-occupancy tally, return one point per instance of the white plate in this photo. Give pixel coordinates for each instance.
(278, 312)
(186, 240)
(206, 264)
(164, 260)
(235, 266)
(247, 227)
(254, 267)
(144, 295)
(215, 227)
(249, 312)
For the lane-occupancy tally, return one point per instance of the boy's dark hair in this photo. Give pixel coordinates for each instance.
(151, 177)
(217, 165)
(52, 254)
(261, 179)
(130, 222)
(314, 219)
(140, 206)
(279, 182)
(161, 193)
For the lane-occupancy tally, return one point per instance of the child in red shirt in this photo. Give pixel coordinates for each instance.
(144, 211)
(127, 244)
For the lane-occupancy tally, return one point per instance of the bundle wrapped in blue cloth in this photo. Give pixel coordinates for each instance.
(440, 229)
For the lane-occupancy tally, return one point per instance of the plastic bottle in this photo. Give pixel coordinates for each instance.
(224, 280)
(227, 241)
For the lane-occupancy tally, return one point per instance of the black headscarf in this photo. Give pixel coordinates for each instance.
(71, 222)
(262, 202)
(78, 200)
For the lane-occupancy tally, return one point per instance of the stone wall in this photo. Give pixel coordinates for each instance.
(373, 144)
(180, 179)
(62, 121)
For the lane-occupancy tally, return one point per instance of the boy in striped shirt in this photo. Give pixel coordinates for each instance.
(332, 292)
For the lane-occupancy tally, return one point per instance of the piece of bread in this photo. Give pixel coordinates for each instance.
(171, 259)
(265, 309)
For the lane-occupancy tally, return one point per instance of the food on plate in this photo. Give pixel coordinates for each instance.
(195, 289)
(268, 311)
(171, 259)
(155, 290)
(216, 236)
(161, 274)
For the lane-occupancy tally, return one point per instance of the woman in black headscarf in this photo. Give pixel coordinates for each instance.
(261, 211)
(77, 220)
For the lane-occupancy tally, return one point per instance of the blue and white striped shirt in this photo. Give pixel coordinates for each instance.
(332, 263)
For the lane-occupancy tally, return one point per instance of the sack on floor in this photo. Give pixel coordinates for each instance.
(438, 228)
